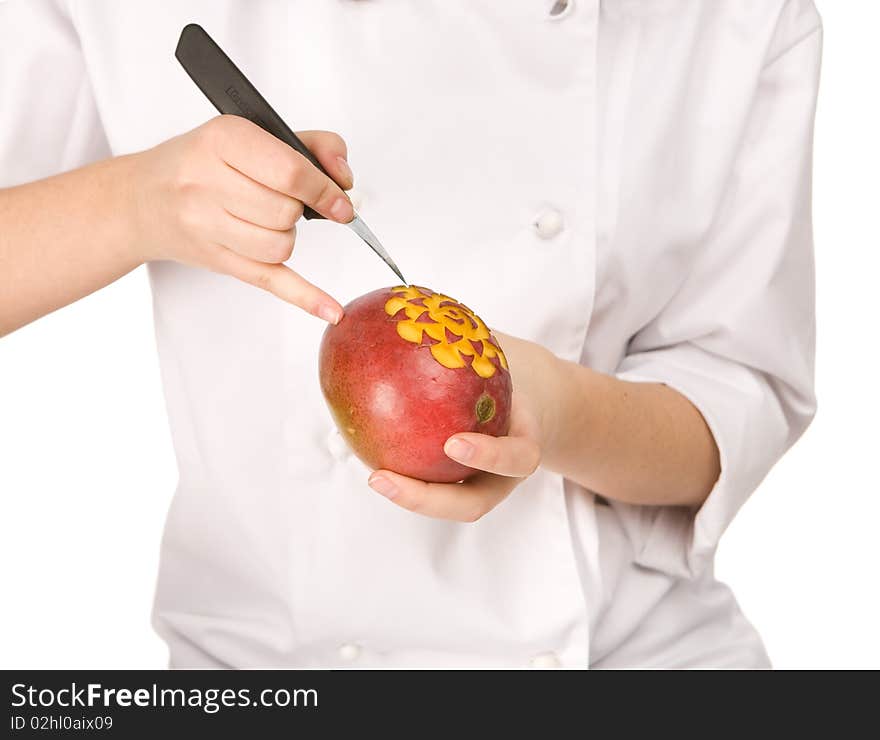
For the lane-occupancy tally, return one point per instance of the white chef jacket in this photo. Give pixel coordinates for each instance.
(626, 182)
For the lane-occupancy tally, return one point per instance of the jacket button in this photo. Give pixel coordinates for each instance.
(561, 8)
(337, 446)
(545, 660)
(548, 223)
(349, 651)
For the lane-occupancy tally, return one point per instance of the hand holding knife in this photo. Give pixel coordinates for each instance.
(231, 92)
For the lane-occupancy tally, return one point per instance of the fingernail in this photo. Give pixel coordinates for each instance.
(384, 486)
(459, 450)
(330, 314)
(345, 169)
(342, 210)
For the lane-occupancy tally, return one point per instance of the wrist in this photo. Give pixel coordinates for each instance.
(133, 177)
(567, 410)
(555, 397)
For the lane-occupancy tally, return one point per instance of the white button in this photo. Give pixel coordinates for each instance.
(349, 651)
(548, 223)
(545, 660)
(357, 198)
(561, 8)
(337, 445)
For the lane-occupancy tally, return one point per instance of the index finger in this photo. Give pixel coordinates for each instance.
(262, 157)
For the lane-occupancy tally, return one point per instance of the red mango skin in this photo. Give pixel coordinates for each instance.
(394, 404)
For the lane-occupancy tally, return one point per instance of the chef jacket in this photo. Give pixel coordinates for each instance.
(626, 182)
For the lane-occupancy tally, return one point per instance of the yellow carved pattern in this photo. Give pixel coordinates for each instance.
(445, 313)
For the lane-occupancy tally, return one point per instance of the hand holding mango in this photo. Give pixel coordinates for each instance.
(405, 369)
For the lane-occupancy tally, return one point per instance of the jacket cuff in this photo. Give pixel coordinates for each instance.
(749, 427)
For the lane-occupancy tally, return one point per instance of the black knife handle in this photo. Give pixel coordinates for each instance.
(231, 92)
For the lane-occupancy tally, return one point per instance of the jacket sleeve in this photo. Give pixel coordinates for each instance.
(738, 339)
(48, 119)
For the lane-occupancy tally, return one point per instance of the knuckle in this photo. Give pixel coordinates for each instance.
(187, 179)
(263, 279)
(326, 194)
(289, 212)
(223, 123)
(280, 247)
(293, 171)
(184, 181)
(204, 135)
(209, 134)
(415, 504)
(492, 457)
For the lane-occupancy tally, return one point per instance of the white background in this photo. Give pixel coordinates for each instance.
(87, 468)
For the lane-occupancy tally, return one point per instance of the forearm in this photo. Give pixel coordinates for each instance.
(642, 443)
(64, 237)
